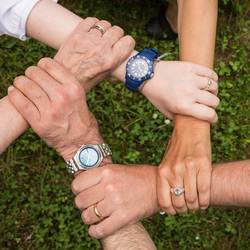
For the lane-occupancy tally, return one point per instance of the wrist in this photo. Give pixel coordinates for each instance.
(120, 71)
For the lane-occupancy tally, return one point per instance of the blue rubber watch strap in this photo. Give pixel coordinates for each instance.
(133, 85)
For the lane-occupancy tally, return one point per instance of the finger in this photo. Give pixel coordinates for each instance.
(164, 196)
(204, 71)
(104, 208)
(104, 24)
(123, 49)
(86, 24)
(113, 35)
(57, 71)
(204, 183)
(202, 112)
(206, 98)
(178, 202)
(89, 197)
(108, 226)
(23, 105)
(46, 82)
(191, 195)
(32, 91)
(203, 84)
(86, 179)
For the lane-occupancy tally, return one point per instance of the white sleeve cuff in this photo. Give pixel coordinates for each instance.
(13, 21)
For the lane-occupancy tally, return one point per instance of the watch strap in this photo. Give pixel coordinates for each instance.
(72, 164)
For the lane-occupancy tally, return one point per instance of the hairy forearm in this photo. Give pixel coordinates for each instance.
(197, 30)
(12, 124)
(230, 184)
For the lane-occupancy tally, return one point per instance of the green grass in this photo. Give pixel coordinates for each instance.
(36, 205)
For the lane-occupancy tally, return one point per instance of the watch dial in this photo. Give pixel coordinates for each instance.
(88, 157)
(138, 68)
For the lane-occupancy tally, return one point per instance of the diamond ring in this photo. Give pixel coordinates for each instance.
(177, 191)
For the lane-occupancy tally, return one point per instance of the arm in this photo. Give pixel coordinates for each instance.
(187, 161)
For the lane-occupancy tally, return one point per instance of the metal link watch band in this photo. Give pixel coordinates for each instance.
(72, 164)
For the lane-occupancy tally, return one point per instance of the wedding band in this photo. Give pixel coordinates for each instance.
(98, 27)
(177, 191)
(209, 83)
(97, 213)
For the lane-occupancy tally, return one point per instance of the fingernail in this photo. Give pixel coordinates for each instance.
(10, 88)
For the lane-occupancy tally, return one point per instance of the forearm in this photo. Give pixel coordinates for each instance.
(230, 184)
(12, 124)
(197, 30)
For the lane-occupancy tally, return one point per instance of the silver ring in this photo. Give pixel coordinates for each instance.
(177, 191)
(98, 27)
(162, 212)
(209, 83)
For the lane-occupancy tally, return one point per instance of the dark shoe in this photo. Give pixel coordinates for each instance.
(159, 28)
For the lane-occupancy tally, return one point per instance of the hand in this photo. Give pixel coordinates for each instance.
(123, 194)
(92, 56)
(180, 88)
(187, 164)
(53, 102)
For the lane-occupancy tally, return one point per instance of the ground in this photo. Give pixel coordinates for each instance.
(36, 205)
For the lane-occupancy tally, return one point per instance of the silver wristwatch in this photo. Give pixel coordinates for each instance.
(88, 156)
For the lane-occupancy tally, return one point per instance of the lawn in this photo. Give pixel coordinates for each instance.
(36, 204)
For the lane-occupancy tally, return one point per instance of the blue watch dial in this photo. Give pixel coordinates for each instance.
(89, 157)
(138, 68)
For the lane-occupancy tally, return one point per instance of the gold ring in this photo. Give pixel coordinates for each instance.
(98, 27)
(97, 213)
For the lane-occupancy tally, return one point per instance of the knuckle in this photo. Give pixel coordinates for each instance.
(163, 171)
(19, 80)
(44, 61)
(94, 19)
(204, 188)
(110, 188)
(191, 199)
(78, 202)
(98, 232)
(107, 173)
(31, 72)
(182, 106)
(85, 217)
(190, 163)
(75, 91)
(106, 23)
(74, 187)
(117, 199)
(118, 30)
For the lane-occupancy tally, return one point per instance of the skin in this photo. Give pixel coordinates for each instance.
(74, 29)
(113, 187)
(187, 161)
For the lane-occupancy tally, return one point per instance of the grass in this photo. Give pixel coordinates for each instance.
(36, 205)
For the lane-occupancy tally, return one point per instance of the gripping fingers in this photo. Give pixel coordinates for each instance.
(164, 196)
(204, 71)
(23, 105)
(204, 113)
(89, 216)
(191, 195)
(108, 226)
(207, 98)
(104, 24)
(113, 35)
(204, 183)
(123, 49)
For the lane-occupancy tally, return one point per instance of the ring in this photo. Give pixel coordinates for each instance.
(209, 83)
(98, 27)
(162, 212)
(97, 213)
(177, 191)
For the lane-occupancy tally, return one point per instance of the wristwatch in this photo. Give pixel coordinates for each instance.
(140, 68)
(88, 156)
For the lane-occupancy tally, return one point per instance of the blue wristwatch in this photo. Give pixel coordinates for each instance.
(140, 68)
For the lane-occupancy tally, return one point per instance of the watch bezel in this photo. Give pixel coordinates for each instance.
(98, 162)
(150, 68)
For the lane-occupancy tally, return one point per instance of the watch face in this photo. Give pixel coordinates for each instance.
(139, 68)
(89, 157)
